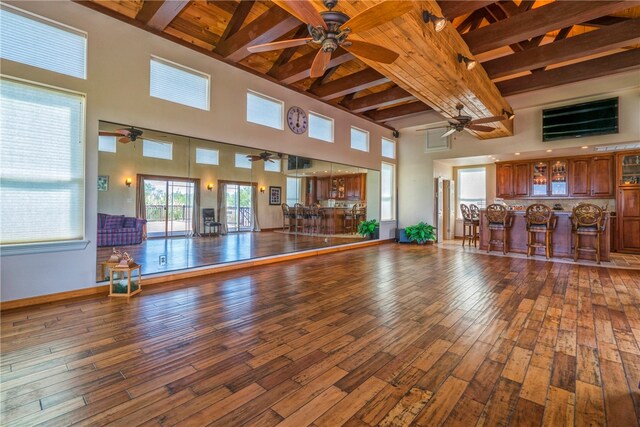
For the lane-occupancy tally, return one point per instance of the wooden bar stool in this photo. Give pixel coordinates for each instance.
(475, 216)
(349, 219)
(587, 220)
(469, 226)
(540, 219)
(498, 220)
(298, 217)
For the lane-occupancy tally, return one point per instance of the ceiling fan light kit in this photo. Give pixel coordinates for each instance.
(438, 21)
(468, 63)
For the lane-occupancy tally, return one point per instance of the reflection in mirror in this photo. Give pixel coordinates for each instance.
(174, 202)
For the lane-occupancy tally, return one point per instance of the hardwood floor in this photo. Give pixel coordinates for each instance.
(389, 335)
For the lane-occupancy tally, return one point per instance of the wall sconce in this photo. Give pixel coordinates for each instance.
(507, 114)
(262, 189)
(469, 63)
(438, 21)
(210, 187)
(127, 182)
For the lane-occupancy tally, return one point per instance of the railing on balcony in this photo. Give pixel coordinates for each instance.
(243, 219)
(178, 218)
(176, 212)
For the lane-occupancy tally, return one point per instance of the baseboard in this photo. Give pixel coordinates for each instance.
(169, 277)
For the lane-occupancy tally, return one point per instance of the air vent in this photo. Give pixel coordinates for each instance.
(435, 141)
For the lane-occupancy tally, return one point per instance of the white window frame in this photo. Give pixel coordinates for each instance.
(151, 141)
(245, 158)
(54, 24)
(186, 70)
(361, 131)
(68, 244)
(271, 166)
(393, 197)
(481, 203)
(107, 144)
(320, 116)
(392, 143)
(208, 150)
(275, 101)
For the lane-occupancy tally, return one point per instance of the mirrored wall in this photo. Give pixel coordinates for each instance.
(173, 202)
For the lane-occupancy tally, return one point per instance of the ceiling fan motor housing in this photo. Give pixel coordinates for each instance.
(333, 36)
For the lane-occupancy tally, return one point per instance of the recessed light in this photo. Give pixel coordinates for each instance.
(548, 151)
(517, 154)
(584, 146)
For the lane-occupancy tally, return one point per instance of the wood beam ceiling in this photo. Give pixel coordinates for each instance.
(453, 9)
(618, 35)
(165, 13)
(393, 113)
(237, 19)
(388, 97)
(352, 83)
(598, 67)
(300, 68)
(539, 21)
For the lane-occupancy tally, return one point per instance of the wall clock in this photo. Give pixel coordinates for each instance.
(297, 120)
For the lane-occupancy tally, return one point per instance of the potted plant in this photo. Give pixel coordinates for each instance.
(420, 233)
(368, 228)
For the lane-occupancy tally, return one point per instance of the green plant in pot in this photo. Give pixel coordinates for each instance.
(420, 233)
(368, 228)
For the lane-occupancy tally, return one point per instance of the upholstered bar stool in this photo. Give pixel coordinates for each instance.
(497, 220)
(298, 217)
(349, 219)
(587, 220)
(469, 232)
(475, 217)
(312, 218)
(540, 219)
(286, 217)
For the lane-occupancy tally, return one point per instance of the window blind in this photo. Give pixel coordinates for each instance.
(41, 164)
(35, 41)
(359, 139)
(387, 192)
(175, 83)
(320, 127)
(265, 111)
(157, 149)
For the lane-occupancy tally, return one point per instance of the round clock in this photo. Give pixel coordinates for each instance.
(297, 120)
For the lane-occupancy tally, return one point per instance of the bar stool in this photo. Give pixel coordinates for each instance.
(312, 218)
(348, 220)
(298, 217)
(469, 224)
(498, 220)
(540, 219)
(286, 217)
(587, 220)
(359, 213)
(475, 216)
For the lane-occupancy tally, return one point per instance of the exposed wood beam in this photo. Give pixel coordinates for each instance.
(605, 21)
(237, 19)
(539, 21)
(393, 113)
(471, 22)
(272, 24)
(166, 13)
(148, 9)
(288, 53)
(394, 95)
(608, 38)
(300, 68)
(496, 14)
(598, 67)
(563, 33)
(352, 83)
(453, 9)
(323, 79)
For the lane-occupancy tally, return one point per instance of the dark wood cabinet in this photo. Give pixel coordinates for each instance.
(579, 179)
(628, 218)
(521, 179)
(602, 177)
(504, 180)
(344, 187)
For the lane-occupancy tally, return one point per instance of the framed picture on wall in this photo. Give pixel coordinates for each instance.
(103, 182)
(274, 195)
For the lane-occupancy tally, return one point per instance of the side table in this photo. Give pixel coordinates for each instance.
(126, 283)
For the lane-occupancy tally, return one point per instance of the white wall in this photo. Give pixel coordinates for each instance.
(117, 90)
(417, 169)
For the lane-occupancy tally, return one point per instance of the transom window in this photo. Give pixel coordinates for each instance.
(157, 149)
(177, 83)
(242, 161)
(388, 148)
(107, 143)
(273, 166)
(359, 139)
(264, 110)
(320, 127)
(207, 156)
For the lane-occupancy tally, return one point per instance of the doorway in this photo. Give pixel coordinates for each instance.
(239, 207)
(168, 207)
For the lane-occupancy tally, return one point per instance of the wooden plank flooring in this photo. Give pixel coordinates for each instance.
(390, 335)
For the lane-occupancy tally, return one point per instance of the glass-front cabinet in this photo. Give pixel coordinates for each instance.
(559, 186)
(629, 169)
(539, 179)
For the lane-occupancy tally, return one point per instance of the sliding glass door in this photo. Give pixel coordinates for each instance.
(169, 207)
(239, 204)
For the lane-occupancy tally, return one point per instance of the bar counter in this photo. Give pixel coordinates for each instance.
(562, 237)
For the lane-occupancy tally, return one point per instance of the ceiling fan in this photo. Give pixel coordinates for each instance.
(330, 30)
(126, 135)
(463, 122)
(265, 155)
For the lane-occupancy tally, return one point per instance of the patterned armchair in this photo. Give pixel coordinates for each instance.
(119, 230)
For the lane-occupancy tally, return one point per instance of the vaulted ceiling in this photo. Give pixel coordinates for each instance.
(521, 46)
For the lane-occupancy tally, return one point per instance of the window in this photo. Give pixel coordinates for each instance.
(264, 110)
(42, 43)
(471, 187)
(179, 84)
(388, 148)
(273, 166)
(242, 161)
(320, 127)
(359, 139)
(41, 129)
(293, 190)
(207, 156)
(387, 192)
(107, 143)
(157, 149)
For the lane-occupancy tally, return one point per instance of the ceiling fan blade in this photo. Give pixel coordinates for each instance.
(125, 132)
(320, 63)
(454, 121)
(479, 128)
(266, 47)
(377, 15)
(102, 133)
(449, 132)
(269, 160)
(124, 140)
(373, 52)
(303, 10)
(491, 119)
